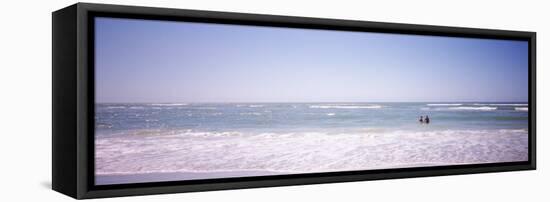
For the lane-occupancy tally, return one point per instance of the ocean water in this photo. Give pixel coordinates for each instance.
(304, 137)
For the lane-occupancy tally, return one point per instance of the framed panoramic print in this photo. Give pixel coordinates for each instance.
(154, 100)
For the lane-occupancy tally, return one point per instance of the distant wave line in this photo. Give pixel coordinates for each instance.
(522, 108)
(474, 108)
(169, 104)
(481, 104)
(454, 104)
(345, 107)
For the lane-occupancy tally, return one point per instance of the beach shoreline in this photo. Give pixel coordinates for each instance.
(136, 143)
(109, 179)
(132, 178)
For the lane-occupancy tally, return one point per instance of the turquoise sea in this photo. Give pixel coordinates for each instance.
(304, 137)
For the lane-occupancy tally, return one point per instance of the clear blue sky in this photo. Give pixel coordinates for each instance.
(163, 61)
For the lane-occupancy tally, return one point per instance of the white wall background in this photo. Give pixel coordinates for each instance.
(25, 103)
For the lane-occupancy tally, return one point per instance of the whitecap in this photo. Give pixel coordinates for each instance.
(251, 113)
(474, 108)
(168, 104)
(522, 108)
(478, 104)
(453, 104)
(345, 106)
(116, 107)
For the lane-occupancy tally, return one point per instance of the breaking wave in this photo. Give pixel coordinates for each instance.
(454, 104)
(169, 104)
(478, 104)
(158, 151)
(474, 108)
(522, 108)
(345, 106)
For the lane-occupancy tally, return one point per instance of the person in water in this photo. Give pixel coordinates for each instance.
(421, 120)
(427, 119)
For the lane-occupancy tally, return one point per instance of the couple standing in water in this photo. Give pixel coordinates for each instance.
(425, 120)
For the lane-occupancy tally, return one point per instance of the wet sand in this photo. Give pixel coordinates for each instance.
(174, 176)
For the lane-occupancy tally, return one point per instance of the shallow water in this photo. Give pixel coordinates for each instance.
(304, 137)
(313, 117)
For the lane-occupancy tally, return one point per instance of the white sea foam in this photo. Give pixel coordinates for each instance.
(345, 106)
(255, 106)
(251, 113)
(474, 108)
(522, 108)
(331, 114)
(157, 151)
(169, 104)
(207, 108)
(482, 104)
(453, 104)
(116, 107)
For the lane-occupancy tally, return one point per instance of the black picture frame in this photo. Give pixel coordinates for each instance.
(73, 100)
